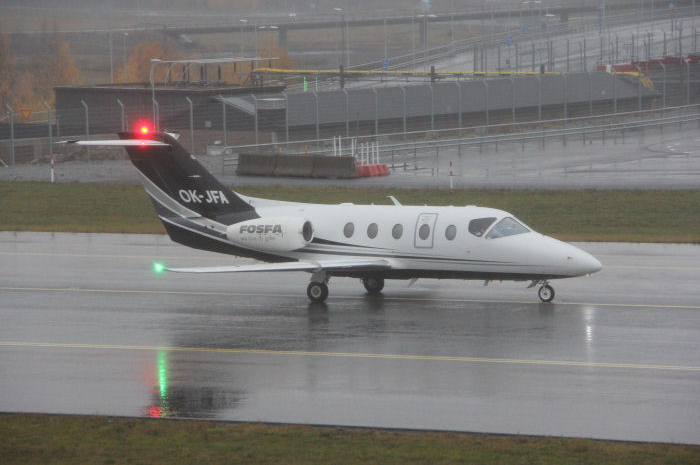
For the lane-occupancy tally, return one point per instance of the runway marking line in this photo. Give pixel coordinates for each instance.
(399, 298)
(301, 353)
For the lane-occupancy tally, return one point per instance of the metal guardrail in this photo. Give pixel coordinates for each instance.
(426, 141)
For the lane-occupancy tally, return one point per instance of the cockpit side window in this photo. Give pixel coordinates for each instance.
(506, 227)
(479, 226)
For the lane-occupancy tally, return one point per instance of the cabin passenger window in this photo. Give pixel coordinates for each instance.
(372, 230)
(451, 232)
(424, 232)
(349, 230)
(506, 227)
(479, 226)
(397, 231)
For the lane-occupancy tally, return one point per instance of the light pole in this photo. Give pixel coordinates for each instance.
(124, 36)
(342, 59)
(243, 23)
(111, 60)
(424, 26)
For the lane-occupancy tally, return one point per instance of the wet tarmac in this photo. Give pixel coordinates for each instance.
(88, 328)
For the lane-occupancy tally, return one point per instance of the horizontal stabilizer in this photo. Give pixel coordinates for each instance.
(118, 143)
(329, 265)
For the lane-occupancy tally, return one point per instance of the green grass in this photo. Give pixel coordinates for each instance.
(91, 439)
(573, 215)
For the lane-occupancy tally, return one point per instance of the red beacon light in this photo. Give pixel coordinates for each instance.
(143, 130)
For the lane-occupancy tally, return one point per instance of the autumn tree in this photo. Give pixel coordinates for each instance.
(52, 66)
(8, 73)
(138, 67)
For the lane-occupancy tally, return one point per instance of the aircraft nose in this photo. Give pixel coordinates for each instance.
(583, 263)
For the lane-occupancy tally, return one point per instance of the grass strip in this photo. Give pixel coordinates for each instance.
(572, 215)
(30, 438)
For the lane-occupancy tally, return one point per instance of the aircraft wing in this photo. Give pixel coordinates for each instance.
(327, 265)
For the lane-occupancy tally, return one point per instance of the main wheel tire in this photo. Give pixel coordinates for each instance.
(546, 293)
(317, 292)
(373, 284)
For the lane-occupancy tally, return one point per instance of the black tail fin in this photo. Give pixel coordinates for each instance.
(180, 186)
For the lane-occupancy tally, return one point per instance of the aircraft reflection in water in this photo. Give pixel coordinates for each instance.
(369, 242)
(189, 401)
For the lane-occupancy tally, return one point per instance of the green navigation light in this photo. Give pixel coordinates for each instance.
(158, 268)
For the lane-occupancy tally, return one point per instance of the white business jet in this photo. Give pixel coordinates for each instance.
(369, 242)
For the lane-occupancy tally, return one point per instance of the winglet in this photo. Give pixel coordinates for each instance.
(393, 199)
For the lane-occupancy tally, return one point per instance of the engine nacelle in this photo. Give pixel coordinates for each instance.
(273, 234)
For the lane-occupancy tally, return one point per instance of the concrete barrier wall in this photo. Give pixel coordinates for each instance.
(251, 164)
(294, 165)
(334, 167)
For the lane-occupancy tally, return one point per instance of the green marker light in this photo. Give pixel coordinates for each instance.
(158, 268)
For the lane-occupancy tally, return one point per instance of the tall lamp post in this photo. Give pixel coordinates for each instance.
(343, 58)
(243, 23)
(124, 36)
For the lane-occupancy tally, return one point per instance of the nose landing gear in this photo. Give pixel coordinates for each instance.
(546, 292)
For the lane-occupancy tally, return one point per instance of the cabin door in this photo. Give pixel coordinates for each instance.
(424, 230)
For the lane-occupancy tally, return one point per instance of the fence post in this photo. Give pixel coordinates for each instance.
(318, 134)
(539, 97)
(687, 83)
(121, 106)
(512, 99)
(566, 110)
(403, 96)
(614, 75)
(255, 120)
(459, 102)
(663, 94)
(48, 120)
(432, 107)
(11, 116)
(156, 115)
(486, 100)
(347, 113)
(189, 102)
(286, 116)
(639, 88)
(87, 127)
(565, 95)
(376, 111)
(590, 93)
(224, 129)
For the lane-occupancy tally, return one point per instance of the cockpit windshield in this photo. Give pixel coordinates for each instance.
(479, 226)
(506, 227)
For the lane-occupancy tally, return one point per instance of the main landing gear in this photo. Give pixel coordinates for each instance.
(546, 292)
(373, 284)
(317, 290)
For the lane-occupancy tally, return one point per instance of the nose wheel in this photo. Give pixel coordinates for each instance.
(546, 293)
